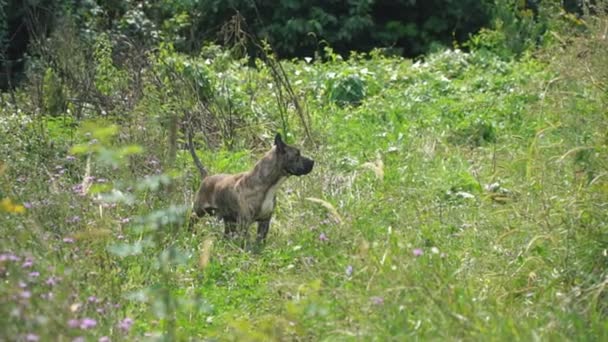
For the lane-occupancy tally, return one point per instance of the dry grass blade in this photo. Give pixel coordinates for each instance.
(376, 166)
(205, 255)
(330, 208)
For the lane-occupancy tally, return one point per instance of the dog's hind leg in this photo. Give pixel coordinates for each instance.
(263, 227)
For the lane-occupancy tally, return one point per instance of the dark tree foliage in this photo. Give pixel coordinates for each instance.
(294, 28)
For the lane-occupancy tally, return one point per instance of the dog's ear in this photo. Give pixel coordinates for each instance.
(278, 142)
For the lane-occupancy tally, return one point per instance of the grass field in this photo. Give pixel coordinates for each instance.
(458, 197)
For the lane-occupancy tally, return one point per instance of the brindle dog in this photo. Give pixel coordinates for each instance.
(244, 198)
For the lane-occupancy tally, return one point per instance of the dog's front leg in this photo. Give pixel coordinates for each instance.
(263, 227)
(230, 228)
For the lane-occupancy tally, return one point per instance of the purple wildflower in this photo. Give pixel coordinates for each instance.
(28, 263)
(323, 237)
(27, 205)
(52, 280)
(78, 189)
(125, 324)
(68, 240)
(74, 323)
(87, 323)
(417, 252)
(79, 339)
(25, 294)
(9, 257)
(377, 300)
(34, 274)
(93, 299)
(22, 284)
(104, 339)
(32, 337)
(349, 271)
(70, 158)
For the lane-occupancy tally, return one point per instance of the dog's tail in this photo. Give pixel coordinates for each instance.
(197, 161)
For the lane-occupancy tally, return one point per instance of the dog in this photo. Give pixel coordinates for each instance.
(248, 197)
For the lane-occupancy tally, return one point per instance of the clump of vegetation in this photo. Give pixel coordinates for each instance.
(460, 195)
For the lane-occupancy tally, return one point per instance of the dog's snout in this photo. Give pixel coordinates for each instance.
(308, 165)
(311, 164)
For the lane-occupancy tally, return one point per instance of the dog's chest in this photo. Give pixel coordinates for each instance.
(268, 201)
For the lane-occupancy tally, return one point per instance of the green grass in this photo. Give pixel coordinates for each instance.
(464, 198)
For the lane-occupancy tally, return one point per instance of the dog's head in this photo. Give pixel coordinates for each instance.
(293, 163)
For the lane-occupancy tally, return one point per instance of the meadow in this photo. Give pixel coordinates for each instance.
(458, 196)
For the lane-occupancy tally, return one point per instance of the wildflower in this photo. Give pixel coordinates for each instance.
(8, 257)
(435, 250)
(93, 299)
(125, 220)
(418, 252)
(377, 300)
(125, 324)
(34, 274)
(75, 307)
(79, 339)
(22, 284)
(25, 294)
(32, 337)
(323, 237)
(78, 189)
(27, 205)
(70, 158)
(87, 323)
(68, 240)
(28, 263)
(104, 339)
(52, 280)
(349, 271)
(73, 323)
